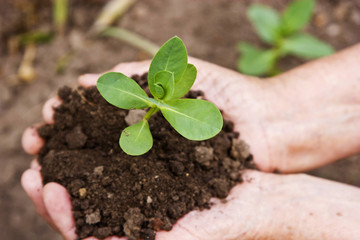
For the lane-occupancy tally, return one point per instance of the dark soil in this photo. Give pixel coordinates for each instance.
(116, 194)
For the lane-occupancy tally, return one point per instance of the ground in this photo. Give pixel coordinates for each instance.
(210, 29)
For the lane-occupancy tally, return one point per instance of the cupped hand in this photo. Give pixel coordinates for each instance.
(265, 205)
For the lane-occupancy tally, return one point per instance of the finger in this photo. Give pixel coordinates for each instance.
(48, 109)
(32, 184)
(35, 165)
(115, 238)
(132, 68)
(58, 204)
(128, 69)
(88, 80)
(31, 141)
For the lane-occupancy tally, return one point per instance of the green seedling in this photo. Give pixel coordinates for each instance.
(283, 33)
(170, 77)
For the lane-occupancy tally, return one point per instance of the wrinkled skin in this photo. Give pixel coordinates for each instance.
(300, 120)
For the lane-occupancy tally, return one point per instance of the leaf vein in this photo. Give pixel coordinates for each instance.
(180, 113)
(168, 56)
(139, 133)
(131, 94)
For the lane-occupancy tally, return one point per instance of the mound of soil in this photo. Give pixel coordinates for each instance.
(116, 194)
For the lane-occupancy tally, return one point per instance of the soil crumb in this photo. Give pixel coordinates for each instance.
(116, 194)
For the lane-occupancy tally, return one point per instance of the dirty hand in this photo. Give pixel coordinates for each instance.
(297, 121)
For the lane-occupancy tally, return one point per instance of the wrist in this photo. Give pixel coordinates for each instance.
(320, 112)
(299, 206)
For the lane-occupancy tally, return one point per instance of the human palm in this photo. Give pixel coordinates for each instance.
(284, 121)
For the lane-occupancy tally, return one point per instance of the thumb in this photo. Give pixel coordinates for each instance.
(232, 218)
(128, 69)
(58, 205)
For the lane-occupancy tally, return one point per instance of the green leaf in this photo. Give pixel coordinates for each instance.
(306, 46)
(164, 85)
(254, 61)
(194, 119)
(297, 15)
(184, 85)
(244, 47)
(35, 37)
(136, 139)
(159, 90)
(266, 22)
(171, 57)
(122, 91)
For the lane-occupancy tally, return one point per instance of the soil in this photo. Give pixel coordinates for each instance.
(113, 193)
(210, 30)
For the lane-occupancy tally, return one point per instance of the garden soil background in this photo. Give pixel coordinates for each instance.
(210, 30)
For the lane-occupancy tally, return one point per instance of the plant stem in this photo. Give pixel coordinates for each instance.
(26, 70)
(131, 38)
(110, 12)
(152, 111)
(60, 15)
(274, 70)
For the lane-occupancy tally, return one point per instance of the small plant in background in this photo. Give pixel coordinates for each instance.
(283, 33)
(60, 15)
(170, 77)
(113, 10)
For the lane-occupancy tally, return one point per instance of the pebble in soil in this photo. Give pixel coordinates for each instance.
(116, 194)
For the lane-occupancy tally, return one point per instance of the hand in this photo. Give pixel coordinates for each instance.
(286, 122)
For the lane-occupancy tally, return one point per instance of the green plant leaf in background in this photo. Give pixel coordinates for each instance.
(266, 22)
(254, 61)
(171, 57)
(184, 85)
(136, 139)
(297, 15)
(122, 91)
(164, 81)
(185, 117)
(306, 46)
(34, 37)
